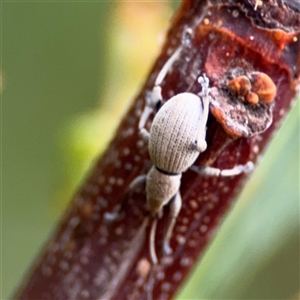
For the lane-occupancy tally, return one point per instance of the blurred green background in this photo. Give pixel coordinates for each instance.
(69, 70)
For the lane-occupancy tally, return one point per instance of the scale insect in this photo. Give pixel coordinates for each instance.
(176, 138)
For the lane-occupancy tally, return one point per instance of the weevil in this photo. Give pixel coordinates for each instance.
(176, 138)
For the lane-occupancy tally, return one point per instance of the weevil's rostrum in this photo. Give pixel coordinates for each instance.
(227, 74)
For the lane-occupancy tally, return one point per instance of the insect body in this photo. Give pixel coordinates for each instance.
(175, 140)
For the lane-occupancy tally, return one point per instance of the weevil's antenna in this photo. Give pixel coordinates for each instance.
(152, 242)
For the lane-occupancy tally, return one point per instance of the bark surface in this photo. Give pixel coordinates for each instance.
(90, 257)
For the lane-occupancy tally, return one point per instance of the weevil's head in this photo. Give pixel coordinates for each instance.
(160, 189)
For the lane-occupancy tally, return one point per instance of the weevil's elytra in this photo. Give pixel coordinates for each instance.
(174, 131)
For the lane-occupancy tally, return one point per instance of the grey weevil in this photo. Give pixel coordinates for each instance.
(175, 140)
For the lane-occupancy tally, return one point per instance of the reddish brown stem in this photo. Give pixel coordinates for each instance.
(91, 257)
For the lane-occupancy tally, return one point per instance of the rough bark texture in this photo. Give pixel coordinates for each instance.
(89, 257)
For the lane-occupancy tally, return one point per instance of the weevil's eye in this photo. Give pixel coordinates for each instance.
(263, 86)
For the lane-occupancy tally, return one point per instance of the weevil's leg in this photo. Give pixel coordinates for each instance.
(175, 207)
(138, 181)
(209, 171)
(155, 96)
(200, 140)
(162, 74)
(152, 101)
(114, 215)
(143, 132)
(152, 242)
